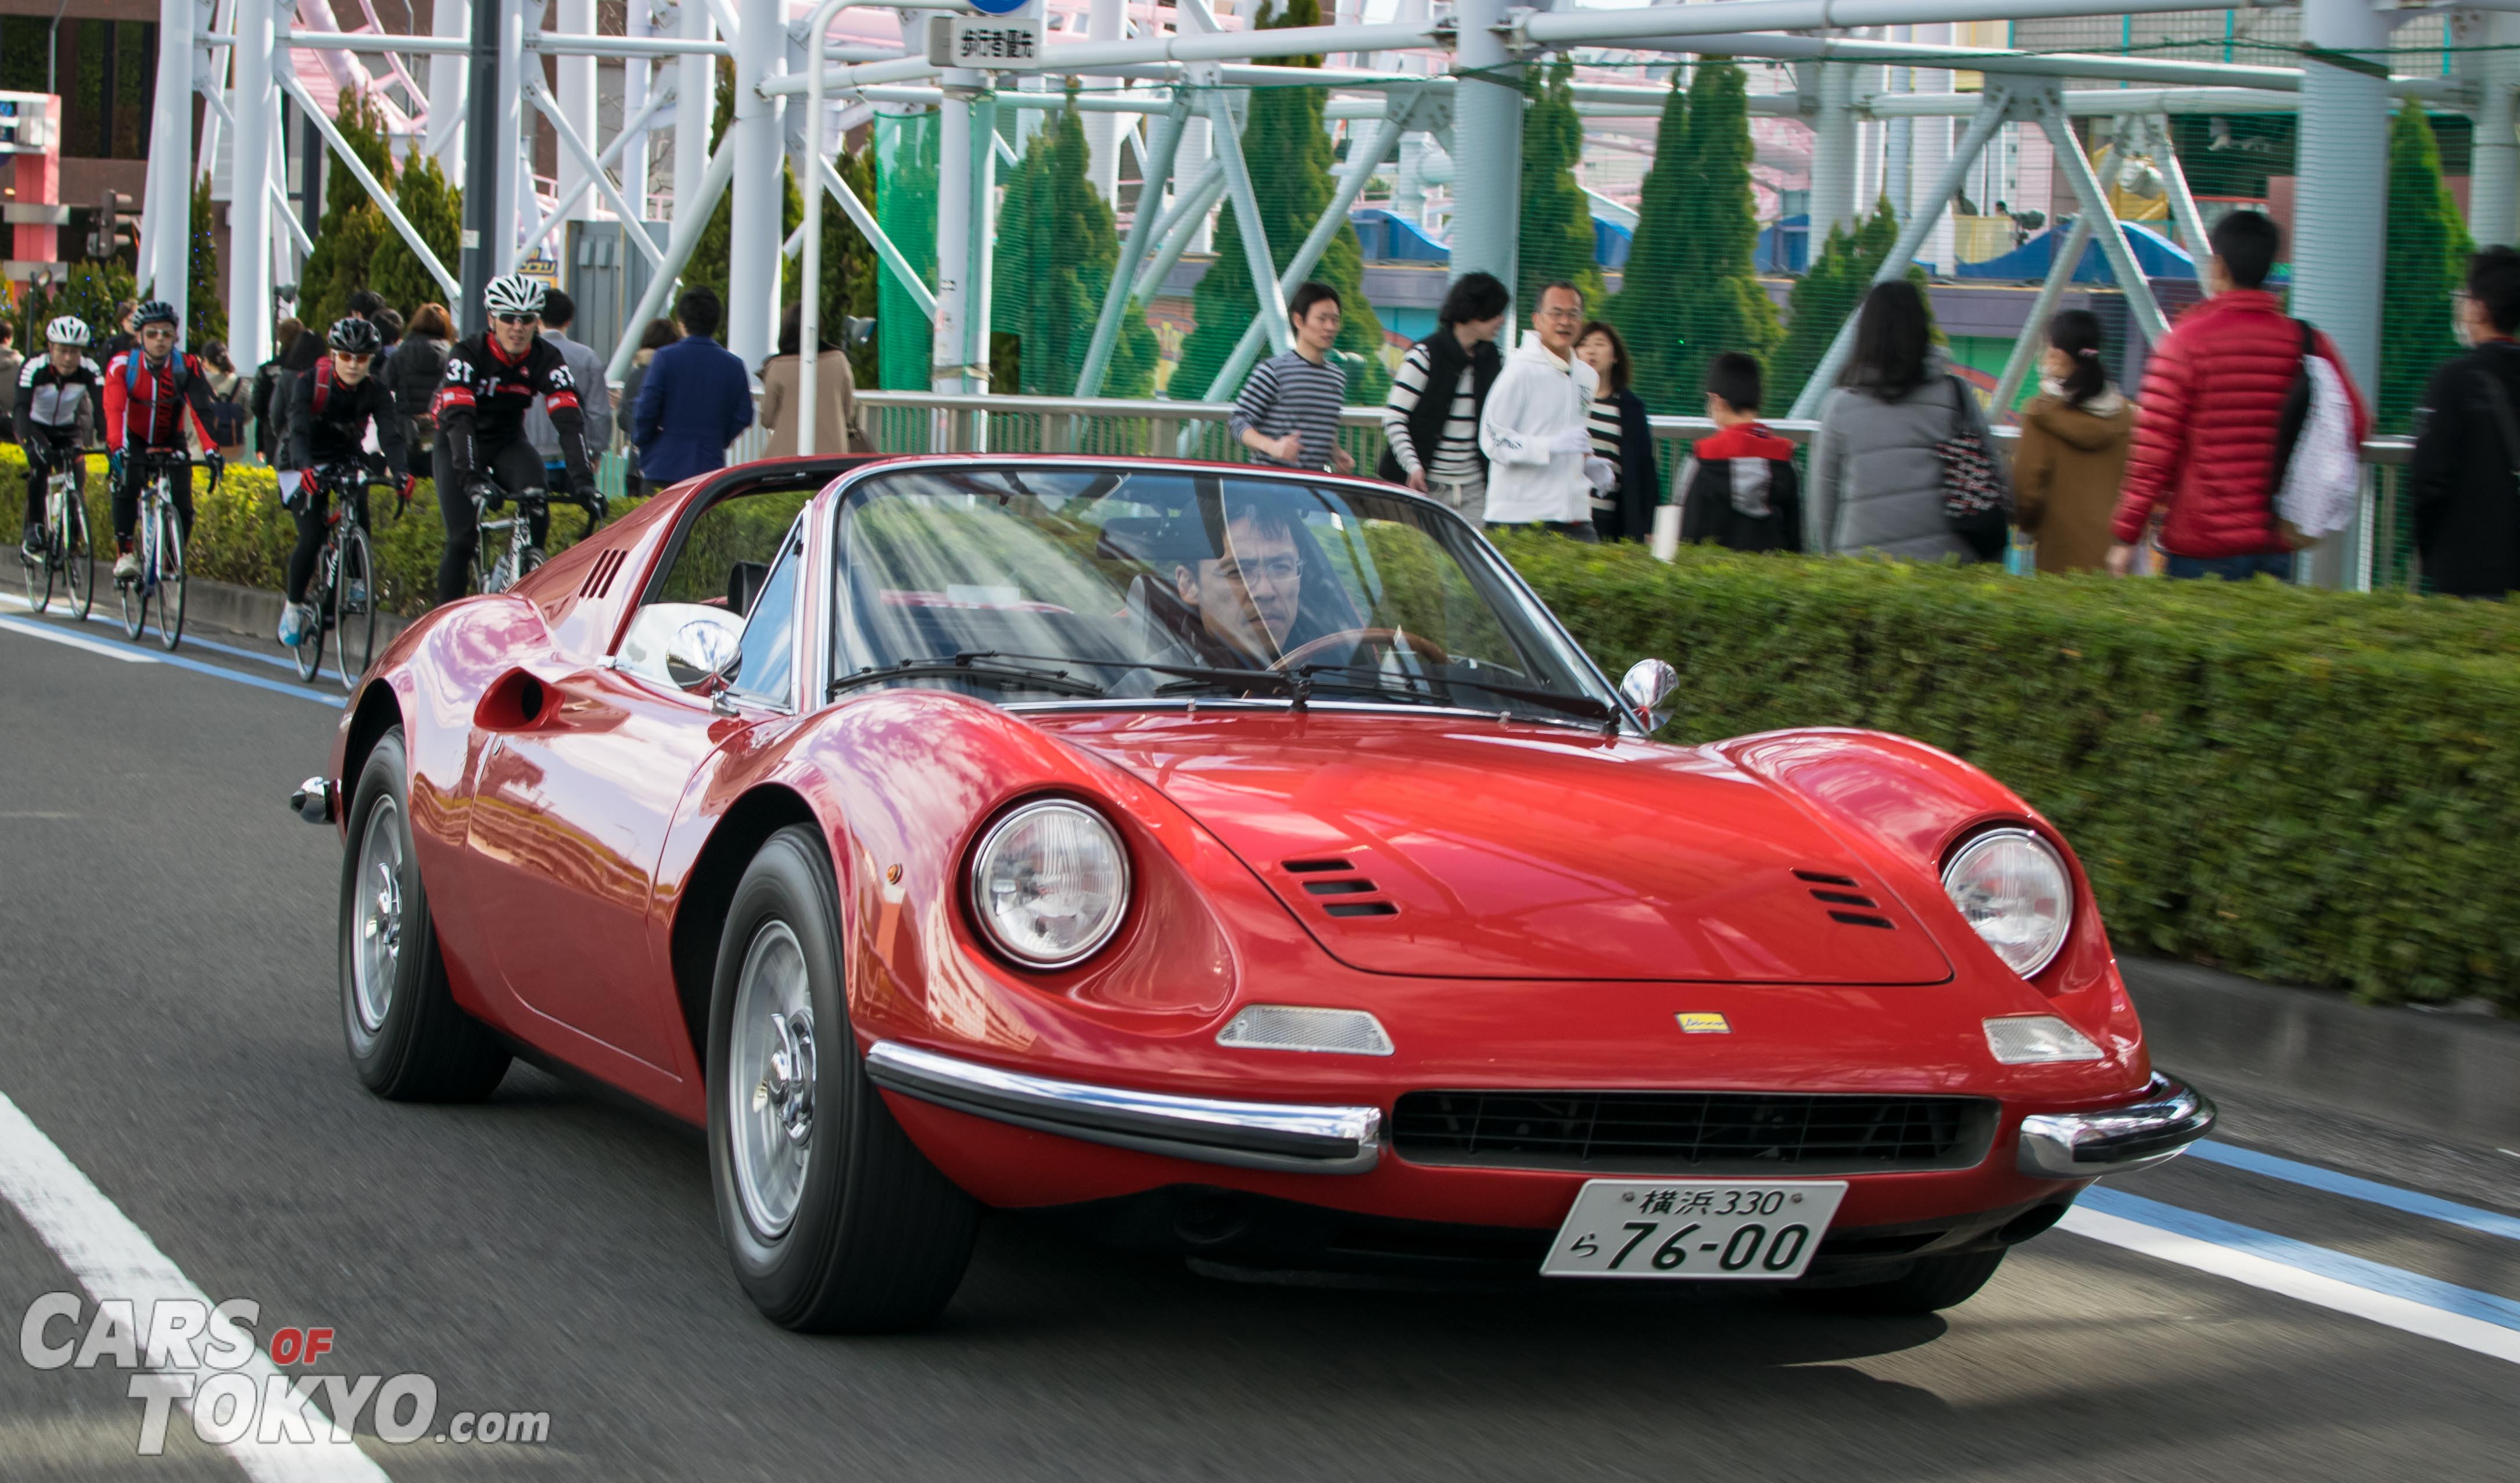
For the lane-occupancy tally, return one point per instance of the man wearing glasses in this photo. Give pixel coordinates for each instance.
(491, 380)
(1541, 468)
(1247, 598)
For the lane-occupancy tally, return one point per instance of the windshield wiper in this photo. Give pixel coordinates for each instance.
(976, 664)
(1575, 705)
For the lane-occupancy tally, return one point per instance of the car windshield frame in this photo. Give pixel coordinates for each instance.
(1565, 687)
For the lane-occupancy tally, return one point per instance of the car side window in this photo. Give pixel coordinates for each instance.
(769, 644)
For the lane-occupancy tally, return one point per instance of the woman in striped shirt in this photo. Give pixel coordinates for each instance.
(1433, 441)
(1288, 410)
(1621, 436)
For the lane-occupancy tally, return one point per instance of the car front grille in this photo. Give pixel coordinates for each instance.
(1697, 1133)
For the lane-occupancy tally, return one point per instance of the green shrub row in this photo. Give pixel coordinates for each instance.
(2311, 787)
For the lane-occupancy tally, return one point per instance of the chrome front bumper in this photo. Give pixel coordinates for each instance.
(2116, 1139)
(315, 801)
(1250, 1135)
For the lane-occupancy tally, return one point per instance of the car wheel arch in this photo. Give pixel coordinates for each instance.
(709, 892)
(376, 711)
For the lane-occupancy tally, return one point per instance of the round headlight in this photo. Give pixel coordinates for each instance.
(2013, 890)
(1050, 884)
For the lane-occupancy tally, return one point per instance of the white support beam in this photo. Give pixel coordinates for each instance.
(1183, 227)
(368, 182)
(752, 246)
(2141, 306)
(590, 169)
(572, 102)
(447, 21)
(1256, 231)
(250, 189)
(1116, 299)
(690, 219)
(613, 151)
(885, 251)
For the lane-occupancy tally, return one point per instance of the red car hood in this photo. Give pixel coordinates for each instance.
(1456, 848)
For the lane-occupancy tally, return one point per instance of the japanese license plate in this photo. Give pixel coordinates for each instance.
(1693, 1228)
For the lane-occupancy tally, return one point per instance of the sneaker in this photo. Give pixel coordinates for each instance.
(295, 620)
(32, 542)
(354, 596)
(126, 566)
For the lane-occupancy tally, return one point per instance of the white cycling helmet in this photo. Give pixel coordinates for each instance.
(69, 329)
(514, 294)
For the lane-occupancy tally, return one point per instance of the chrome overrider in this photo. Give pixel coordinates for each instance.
(1251, 1135)
(2116, 1139)
(316, 802)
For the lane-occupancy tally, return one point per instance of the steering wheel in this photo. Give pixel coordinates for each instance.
(1387, 637)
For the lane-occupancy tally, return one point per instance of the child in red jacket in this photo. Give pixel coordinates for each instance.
(1738, 488)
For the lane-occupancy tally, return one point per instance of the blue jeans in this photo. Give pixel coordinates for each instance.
(2274, 564)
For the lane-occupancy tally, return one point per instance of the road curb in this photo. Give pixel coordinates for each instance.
(253, 611)
(2437, 1073)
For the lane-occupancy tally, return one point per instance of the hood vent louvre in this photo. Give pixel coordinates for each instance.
(1848, 894)
(1340, 890)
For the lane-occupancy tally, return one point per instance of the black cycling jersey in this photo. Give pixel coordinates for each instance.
(328, 421)
(482, 406)
(49, 399)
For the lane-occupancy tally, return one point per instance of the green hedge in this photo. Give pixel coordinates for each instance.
(2311, 787)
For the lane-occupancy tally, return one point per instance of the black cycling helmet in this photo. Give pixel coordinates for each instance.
(353, 335)
(156, 311)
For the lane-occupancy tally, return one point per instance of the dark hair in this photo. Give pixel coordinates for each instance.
(8, 332)
(302, 353)
(1473, 295)
(2077, 332)
(390, 325)
(214, 353)
(559, 309)
(2494, 281)
(2247, 243)
(1892, 334)
(1547, 289)
(365, 303)
(792, 330)
(430, 319)
(1622, 370)
(659, 333)
(699, 310)
(1732, 378)
(284, 335)
(1308, 294)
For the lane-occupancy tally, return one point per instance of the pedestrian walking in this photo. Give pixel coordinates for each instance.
(586, 369)
(1738, 488)
(1541, 470)
(1430, 420)
(1879, 482)
(2072, 455)
(839, 426)
(1622, 437)
(259, 398)
(2466, 472)
(695, 397)
(1288, 410)
(2207, 421)
(414, 374)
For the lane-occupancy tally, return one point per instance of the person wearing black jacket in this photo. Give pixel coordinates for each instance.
(1431, 421)
(329, 410)
(54, 393)
(413, 373)
(1621, 436)
(2466, 469)
(491, 379)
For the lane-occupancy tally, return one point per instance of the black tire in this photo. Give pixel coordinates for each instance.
(78, 562)
(39, 572)
(135, 605)
(410, 1041)
(354, 609)
(171, 569)
(309, 649)
(876, 1240)
(1932, 1285)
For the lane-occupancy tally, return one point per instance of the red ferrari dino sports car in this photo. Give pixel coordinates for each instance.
(1234, 862)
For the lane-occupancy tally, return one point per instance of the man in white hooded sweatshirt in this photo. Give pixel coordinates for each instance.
(1541, 468)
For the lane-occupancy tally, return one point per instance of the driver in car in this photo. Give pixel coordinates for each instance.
(1246, 601)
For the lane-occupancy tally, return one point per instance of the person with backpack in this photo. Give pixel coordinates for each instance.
(1738, 488)
(1879, 481)
(155, 392)
(331, 409)
(2072, 456)
(2465, 478)
(267, 379)
(2210, 449)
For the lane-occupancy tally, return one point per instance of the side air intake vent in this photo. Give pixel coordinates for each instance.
(1849, 894)
(1340, 890)
(599, 577)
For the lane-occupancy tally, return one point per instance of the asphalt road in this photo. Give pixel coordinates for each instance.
(169, 1022)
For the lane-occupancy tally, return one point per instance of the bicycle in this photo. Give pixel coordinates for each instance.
(505, 569)
(159, 538)
(344, 589)
(66, 545)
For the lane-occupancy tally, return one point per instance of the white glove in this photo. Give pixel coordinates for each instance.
(1572, 441)
(1600, 472)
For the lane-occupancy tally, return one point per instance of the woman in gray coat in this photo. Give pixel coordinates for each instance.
(1877, 483)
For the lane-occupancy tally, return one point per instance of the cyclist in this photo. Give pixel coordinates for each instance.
(491, 379)
(329, 410)
(52, 392)
(149, 390)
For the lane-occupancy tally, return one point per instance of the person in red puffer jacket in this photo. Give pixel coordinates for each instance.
(2205, 423)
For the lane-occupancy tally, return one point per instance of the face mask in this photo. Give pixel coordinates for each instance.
(2466, 337)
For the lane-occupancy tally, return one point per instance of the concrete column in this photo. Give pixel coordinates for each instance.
(165, 268)
(574, 86)
(1196, 146)
(2343, 163)
(448, 18)
(1487, 129)
(1104, 23)
(951, 351)
(752, 248)
(1834, 145)
(694, 102)
(1929, 147)
(250, 315)
(2494, 180)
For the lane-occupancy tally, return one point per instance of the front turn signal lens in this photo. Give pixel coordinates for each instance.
(1291, 1027)
(2030, 1040)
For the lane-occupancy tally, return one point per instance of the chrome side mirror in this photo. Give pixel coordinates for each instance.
(701, 649)
(1647, 688)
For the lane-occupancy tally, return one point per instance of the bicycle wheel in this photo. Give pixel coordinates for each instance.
(309, 651)
(528, 559)
(354, 609)
(78, 562)
(170, 578)
(488, 566)
(135, 592)
(39, 572)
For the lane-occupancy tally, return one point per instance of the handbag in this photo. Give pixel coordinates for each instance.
(1977, 501)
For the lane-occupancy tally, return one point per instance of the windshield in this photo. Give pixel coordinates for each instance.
(1037, 584)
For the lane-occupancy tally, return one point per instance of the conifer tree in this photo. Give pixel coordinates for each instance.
(1056, 247)
(206, 315)
(1840, 275)
(1556, 242)
(2425, 263)
(1290, 157)
(436, 209)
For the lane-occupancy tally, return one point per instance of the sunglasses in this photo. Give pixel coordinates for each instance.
(516, 319)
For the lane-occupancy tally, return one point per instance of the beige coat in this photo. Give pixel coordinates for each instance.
(2066, 476)
(834, 389)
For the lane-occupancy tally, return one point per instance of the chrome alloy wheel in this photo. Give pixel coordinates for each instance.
(770, 1080)
(376, 907)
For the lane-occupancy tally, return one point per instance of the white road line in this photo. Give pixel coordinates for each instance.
(113, 1258)
(64, 636)
(2399, 1299)
(2311, 1176)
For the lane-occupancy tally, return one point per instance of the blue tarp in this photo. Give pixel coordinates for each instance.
(1612, 242)
(1386, 238)
(2155, 255)
(1784, 245)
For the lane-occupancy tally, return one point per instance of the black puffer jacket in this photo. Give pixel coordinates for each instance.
(413, 373)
